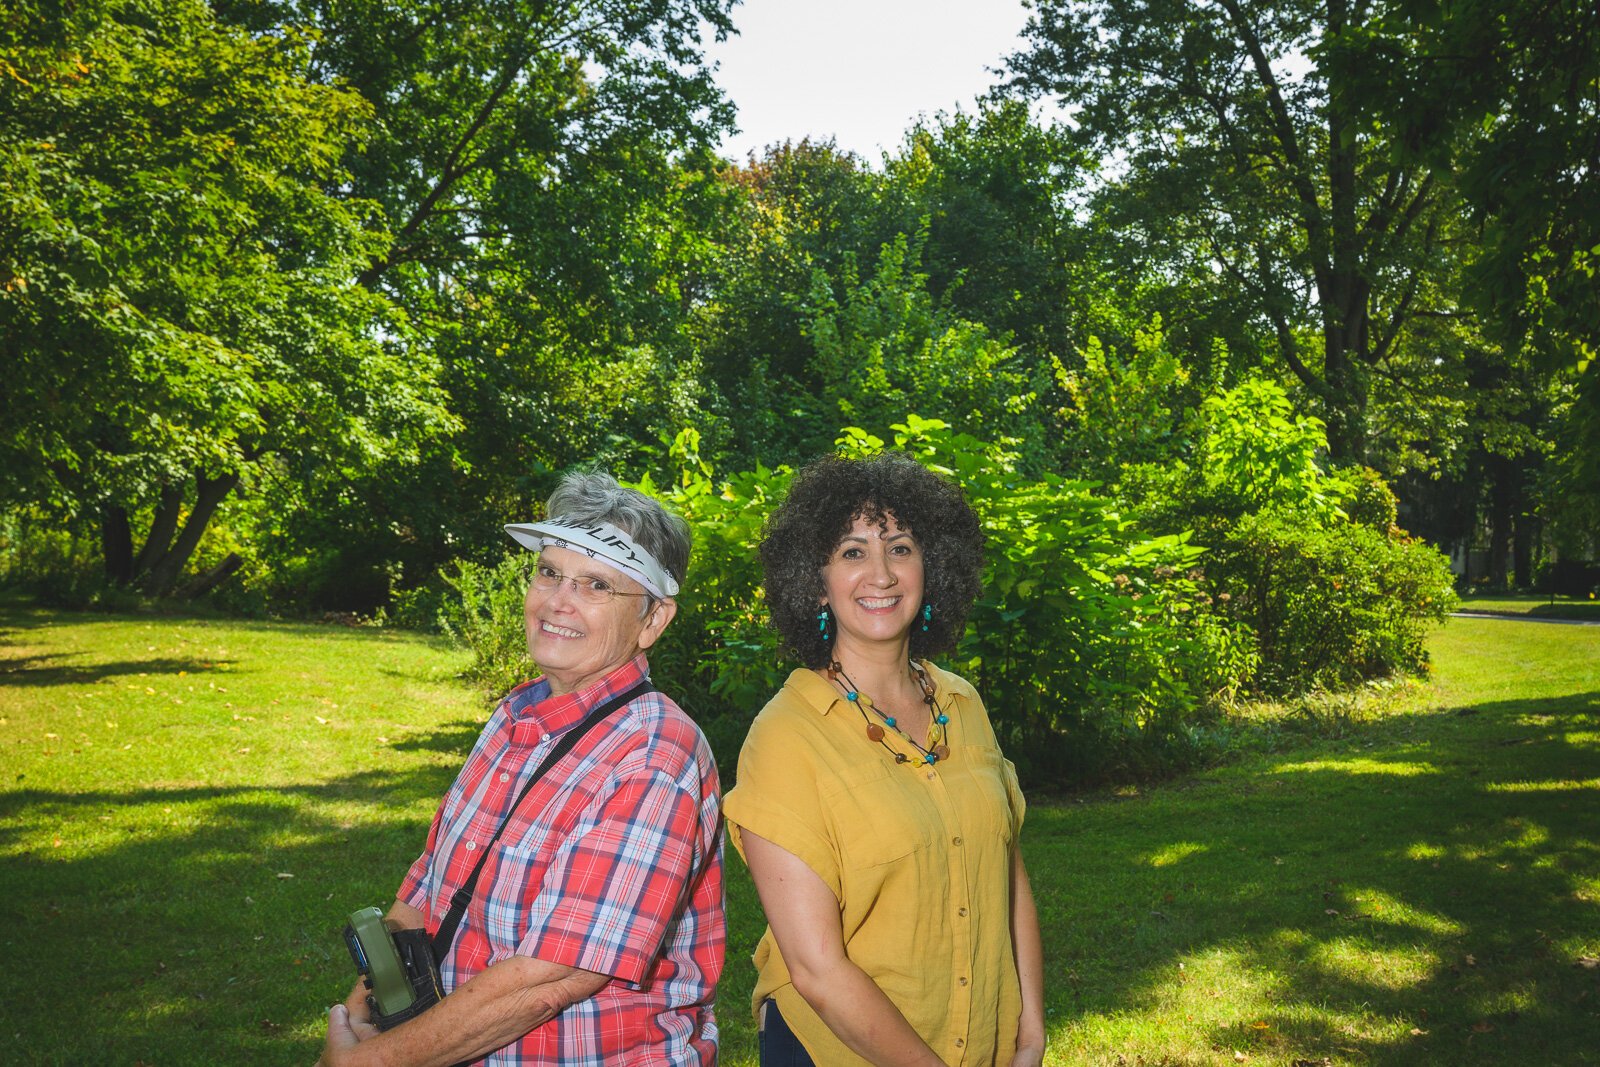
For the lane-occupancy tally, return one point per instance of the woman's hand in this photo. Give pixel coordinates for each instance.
(358, 1012)
(1031, 1056)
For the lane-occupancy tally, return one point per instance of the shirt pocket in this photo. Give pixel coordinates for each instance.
(880, 816)
(982, 799)
(506, 892)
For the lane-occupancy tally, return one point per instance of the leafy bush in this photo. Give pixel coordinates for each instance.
(1102, 651)
(1309, 560)
(1334, 603)
(485, 614)
(1368, 500)
(1089, 643)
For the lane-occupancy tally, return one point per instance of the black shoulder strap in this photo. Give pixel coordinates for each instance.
(463, 896)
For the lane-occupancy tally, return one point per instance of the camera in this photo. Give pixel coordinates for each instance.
(397, 965)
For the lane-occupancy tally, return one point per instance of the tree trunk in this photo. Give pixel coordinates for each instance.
(204, 583)
(162, 527)
(116, 543)
(1501, 510)
(164, 571)
(1524, 534)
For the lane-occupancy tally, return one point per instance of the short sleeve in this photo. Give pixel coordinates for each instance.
(776, 796)
(1014, 797)
(414, 886)
(616, 882)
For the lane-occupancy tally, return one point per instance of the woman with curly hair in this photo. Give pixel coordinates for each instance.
(873, 806)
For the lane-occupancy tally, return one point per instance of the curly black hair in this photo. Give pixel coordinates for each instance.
(825, 499)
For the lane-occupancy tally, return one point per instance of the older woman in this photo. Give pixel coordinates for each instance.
(876, 813)
(595, 932)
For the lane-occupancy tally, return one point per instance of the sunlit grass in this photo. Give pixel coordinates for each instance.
(1406, 875)
(1174, 853)
(1358, 765)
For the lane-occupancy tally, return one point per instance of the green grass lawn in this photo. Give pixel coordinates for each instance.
(190, 807)
(1533, 605)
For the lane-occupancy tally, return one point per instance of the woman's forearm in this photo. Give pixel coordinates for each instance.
(804, 916)
(493, 1009)
(861, 1015)
(1028, 947)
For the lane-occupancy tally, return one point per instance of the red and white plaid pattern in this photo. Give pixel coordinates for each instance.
(612, 863)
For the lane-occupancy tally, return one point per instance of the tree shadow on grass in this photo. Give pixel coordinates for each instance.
(1418, 894)
(454, 738)
(202, 925)
(42, 670)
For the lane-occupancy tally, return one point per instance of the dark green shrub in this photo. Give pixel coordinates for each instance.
(1332, 603)
(1090, 643)
(485, 614)
(1368, 500)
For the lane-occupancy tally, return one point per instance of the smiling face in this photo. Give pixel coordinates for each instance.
(873, 583)
(575, 642)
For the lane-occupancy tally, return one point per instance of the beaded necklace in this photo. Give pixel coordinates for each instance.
(936, 749)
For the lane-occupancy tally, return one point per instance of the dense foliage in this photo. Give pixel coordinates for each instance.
(1104, 649)
(300, 301)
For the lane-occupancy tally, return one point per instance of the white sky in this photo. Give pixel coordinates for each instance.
(860, 71)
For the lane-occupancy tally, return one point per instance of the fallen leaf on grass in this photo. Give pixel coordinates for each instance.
(1588, 962)
(1472, 961)
(285, 874)
(1415, 1032)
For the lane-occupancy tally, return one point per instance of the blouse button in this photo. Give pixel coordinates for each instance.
(471, 845)
(956, 841)
(961, 1042)
(961, 981)
(930, 776)
(963, 913)
(504, 777)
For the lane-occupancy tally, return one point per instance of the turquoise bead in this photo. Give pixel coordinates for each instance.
(943, 719)
(851, 696)
(890, 722)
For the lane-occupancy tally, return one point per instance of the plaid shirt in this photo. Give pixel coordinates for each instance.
(613, 863)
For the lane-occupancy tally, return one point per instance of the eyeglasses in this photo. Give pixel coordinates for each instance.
(586, 587)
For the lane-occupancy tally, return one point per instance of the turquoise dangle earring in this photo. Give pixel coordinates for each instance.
(927, 616)
(823, 618)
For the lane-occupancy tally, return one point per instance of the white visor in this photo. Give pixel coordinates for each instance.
(599, 540)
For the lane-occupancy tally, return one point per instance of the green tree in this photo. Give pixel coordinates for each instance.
(177, 313)
(1240, 158)
(547, 173)
(1122, 411)
(1506, 95)
(994, 190)
(794, 210)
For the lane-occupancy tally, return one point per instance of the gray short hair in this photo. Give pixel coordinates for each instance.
(594, 496)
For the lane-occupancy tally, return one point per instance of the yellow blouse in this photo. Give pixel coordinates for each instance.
(919, 857)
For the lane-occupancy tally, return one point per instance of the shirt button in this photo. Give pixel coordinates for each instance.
(956, 841)
(961, 981)
(504, 777)
(963, 913)
(961, 1042)
(471, 845)
(930, 776)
